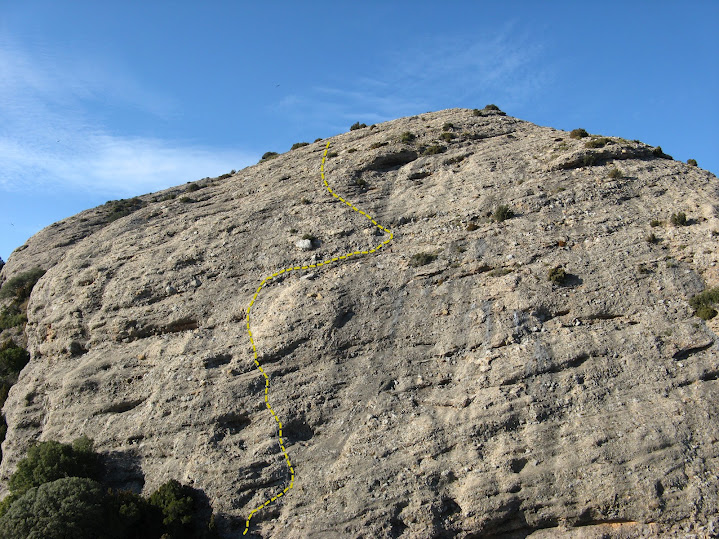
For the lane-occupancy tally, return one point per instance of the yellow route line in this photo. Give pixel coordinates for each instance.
(254, 348)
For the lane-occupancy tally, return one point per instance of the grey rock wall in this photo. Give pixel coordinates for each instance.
(469, 396)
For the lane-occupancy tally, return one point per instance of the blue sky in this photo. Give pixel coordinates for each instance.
(106, 100)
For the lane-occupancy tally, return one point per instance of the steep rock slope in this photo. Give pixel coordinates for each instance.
(444, 386)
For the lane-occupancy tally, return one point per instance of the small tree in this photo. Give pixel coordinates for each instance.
(68, 507)
(177, 507)
(49, 461)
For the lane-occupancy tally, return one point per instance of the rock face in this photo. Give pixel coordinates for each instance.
(443, 386)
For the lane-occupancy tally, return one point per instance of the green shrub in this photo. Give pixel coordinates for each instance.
(500, 272)
(651, 238)
(655, 222)
(49, 461)
(132, 516)
(703, 303)
(6, 502)
(299, 145)
(447, 126)
(11, 317)
(578, 133)
(434, 149)
(692, 162)
(472, 226)
(407, 137)
(318, 139)
(476, 112)
(361, 182)
(447, 136)
(557, 275)
(67, 507)
(356, 126)
(491, 107)
(332, 154)
(422, 259)
(12, 358)
(74, 505)
(268, 155)
(502, 213)
(193, 187)
(658, 152)
(20, 286)
(455, 160)
(588, 160)
(177, 506)
(616, 174)
(352, 150)
(376, 145)
(122, 208)
(679, 219)
(226, 175)
(599, 142)
(705, 312)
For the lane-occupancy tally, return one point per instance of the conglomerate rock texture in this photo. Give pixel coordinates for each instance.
(456, 393)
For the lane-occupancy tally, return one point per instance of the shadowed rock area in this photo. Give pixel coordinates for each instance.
(442, 387)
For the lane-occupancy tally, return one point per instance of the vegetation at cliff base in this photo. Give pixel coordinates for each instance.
(57, 492)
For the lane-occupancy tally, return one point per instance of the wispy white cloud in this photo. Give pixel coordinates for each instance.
(50, 139)
(112, 165)
(505, 66)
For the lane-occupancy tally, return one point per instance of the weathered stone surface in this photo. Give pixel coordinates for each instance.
(469, 396)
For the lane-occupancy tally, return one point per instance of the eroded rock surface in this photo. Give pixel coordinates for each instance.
(468, 396)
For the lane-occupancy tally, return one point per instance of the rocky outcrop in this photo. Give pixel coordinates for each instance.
(462, 393)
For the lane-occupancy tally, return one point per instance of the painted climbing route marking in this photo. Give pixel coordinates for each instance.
(252, 341)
